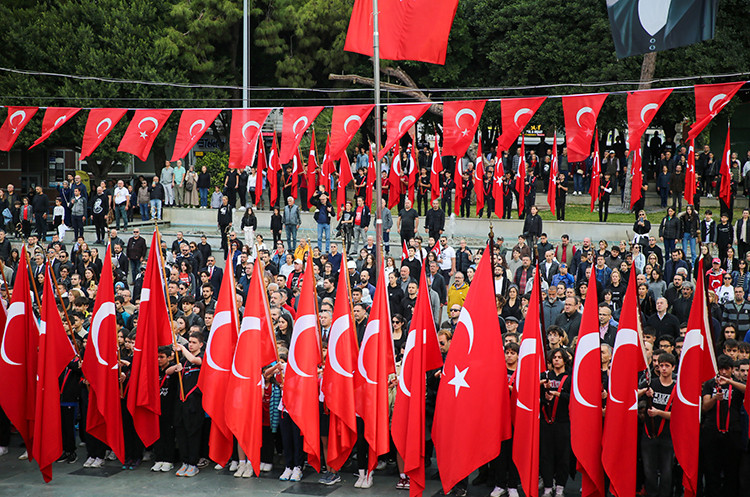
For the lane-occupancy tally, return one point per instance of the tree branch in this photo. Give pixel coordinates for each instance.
(411, 91)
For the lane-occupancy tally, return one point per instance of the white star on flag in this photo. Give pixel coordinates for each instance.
(459, 379)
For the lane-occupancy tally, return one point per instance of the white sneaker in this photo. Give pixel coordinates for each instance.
(381, 466)
(367, 482)
(286, 474)
(24, 456)
(265, 467)
(512, 492)
(89, 462)
(498, 492)
(248, 472)
(296, 474)
(547, 492)
(3, 451)
(240, 470)
(233, 466)
(166, 467)
(98, 463)
(110, 456)
(218, 467)
(147, 456)
(360, 480)
(559, 491)
(156, 467)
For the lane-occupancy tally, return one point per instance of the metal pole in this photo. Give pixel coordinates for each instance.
(245, 54)
(378, 182)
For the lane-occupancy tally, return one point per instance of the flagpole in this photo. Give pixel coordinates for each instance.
(65, 311)
(378, 182)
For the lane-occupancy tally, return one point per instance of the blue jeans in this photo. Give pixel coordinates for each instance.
(135, 268)
(291, 237)
(324, 228)
(145, 214)
(121, 212)
(155, 204)
(577, 183)
(688, 239)
(203, 192)
(386, 240)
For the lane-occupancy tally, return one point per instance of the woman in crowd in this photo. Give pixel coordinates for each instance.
(192, 196)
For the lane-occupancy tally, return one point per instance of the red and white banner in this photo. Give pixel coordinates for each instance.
(272, 174)
(295, 122)
(99, 124)
(399, 118)
(460, 122)
(435, 169)
(725, 189)
(54, 117)
(581, 112)
(521, 177)
(18, 118)
(479, 177)
(691, 182)
(596, 172)
(516, 114)
(193, 123)
(345, 122)
(554, 170)
(141, 133)
(312, 168)
(709, 100)
(243, 136)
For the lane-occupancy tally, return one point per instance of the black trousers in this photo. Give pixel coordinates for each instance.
(507, 207)
(68, 424)
(489, 204)
(294, 451)
(41, 226)
(560, 209)
(720, 462)
(406, 235)
(100, 222)
(603, 209)
(554, 454)
(225, 239)
(232, 194)
(421, 200)
(164, 448)
(133, 444)
(77, 226)
(466, 206)
(4, 429)
(363, 448)
(658, 460)
(446, 203)
(188, 429)
(94, 447)
(504, 471)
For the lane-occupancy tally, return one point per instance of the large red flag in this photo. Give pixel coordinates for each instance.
(435, 169)
(18, 118)
(54, 118)
(586, 401)
(474, 383)
(256, 348)
(345, 177)
(193, 123)
(55, 352)
(101, 368)
(521, 177)
(459, 180)
(394, 179)
(371, 173)
(243, 136)
(262, 165)
(479, 177)
(620, 434)
(296, 167)
(414, 30)
(141, 133)
(460, 122)
(338, 376)
(596, 173)
(725, 190)
(516, 114)
(709, 100)
(215, 371)
(18, 356)
(374, 365)
(581, 112)
(399, 119)
(497, 185)
(312, 166)
(697, 365)
(327, 167)
(531, 364)
(274, 166)
(345, 122)
(154, 330)
(98, 125)
(301, 375)
(295, 122)
(421, 354)
(413, 172)
(554, 170)
(691, 182)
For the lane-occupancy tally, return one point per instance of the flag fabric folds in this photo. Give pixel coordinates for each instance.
(479, 177)
(98, 125)
(725, 188)
(294, 123)
(709, 100)
(521, 177)
(596, 173)
(460, 122)
(345, 122)
(581, 112)
(54, 118)
(142, 130)
(554, 170)
(516, 114)
(18, 118)
(243, 136)
(399, 119)
(193, 124)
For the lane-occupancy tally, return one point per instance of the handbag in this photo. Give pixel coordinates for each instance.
(189, 186)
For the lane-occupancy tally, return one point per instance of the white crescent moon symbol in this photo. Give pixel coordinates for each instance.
(303, 323)
(463, 112)
(521, 112)
(647, 108)
(528, 347)
(582, 111)
(145, 294)
(222, 318)
(411, 340)
(408, 119)
(588, 343)
(59, 121)
(337, 329)
(372, 329)
(351, 118)
(625, 336)
(197, 122)
(149, 120)
(717, 98)
(295, 163)
(21, 113)
(249, 124)
(465, 318)
(42, 331)
(396, 164)
(106, 310)
(106, 120)
(693, 338)
(16, 309)
(432, 166)
(248, 323)
(302, 119)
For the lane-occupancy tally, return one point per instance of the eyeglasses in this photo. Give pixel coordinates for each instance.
(455, 310)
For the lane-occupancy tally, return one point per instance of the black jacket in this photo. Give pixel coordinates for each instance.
(224, 215)
(434, 220)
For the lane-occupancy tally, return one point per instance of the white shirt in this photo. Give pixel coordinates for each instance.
(446, 259)
(121, 195)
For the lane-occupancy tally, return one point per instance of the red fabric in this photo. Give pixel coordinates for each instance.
(274, 166)
(581, 112)
(413, 173)
(553, 172)
(256, 348)
(691, 182)
(18, 118)
(421, 354)
(18, 357)
(709, 100)
(521, 177)
(596, 173)
(435, 170)
(345, 177)
(338, 376)
(371, 177)
(586, 399)
(399, 119)
(327, 168)
(404, 251)
(104, 420)
(296, 166)
(215, 371)
(620, 434)
(414, 30)
(394, 179)
(55, 352)
(99, 124)
(459, 180)
(516, 114)
(295, 122)
(460, 121)
(345, 122)
(497, 183)
(301, 375)
(193, 124)
(243, 135)
(374, 365)
(697, 365)
(725, 190)
(141, 133)
(154, 329)
(531, 364)
(54, 118)
(479, 177)
(312, 167)
(262, 165)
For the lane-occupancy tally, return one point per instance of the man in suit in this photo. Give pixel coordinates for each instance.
(214, 274)
(607, 330)
(742, 228)
(549, 267)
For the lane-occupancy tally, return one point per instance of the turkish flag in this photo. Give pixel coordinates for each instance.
(460, 122)
(193, 123)
(691, 182)
(243, 135)
(327, 167)
(345, 122)
(521, 177)
(399, 119)
(54, 117)
(101, 368)
(214, 374)
(479, 178)
(394, 179)
(620, 434)
(312, 167)
(709, 100)
(413, 167)
(474, 383)
(371, 177)
(55, 352)
(596, 173)
(697, 365)
(421, 354)
(18, 118)
(374, 365)
(338, 376)
(296, 166)
(274, 166)
(262, 165)
(345, 177)
(414, 30)
(154, 329)
(256, 348)
(18, 357)
(581, 112)
(531, 364)
(636, 174)
(99, 124)
(435, 169)
(295, 122)
(586, 401)
(554, 170)
(516, 114)
(301, 374)
(141, 133)
(459, 180)
(725, 190)
(497, 184)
